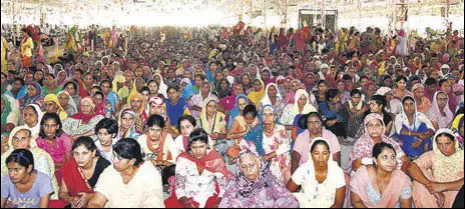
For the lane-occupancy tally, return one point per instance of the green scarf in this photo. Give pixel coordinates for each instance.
(6, 112)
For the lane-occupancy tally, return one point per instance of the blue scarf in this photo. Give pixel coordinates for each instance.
(235, 112)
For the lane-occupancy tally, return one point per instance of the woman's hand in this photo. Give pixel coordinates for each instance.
(416, 143)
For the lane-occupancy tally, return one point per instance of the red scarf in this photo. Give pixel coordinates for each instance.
(75, 182)
(212, 162)
(84, 118)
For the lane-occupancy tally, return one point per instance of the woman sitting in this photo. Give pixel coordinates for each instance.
(10, 114)
(20, 138)
(322, 180)
(157, 145)
(127, 124)
(353, 112)
(67, 103)
(83, 123)
(201, 175)
(130, 183)
(35, 95)
(107, 134)
(413, 129)
(54, 141)
(381, 184)
(440, 114)
(256, 187)
(52, 105)
(272, 143)
(438, 174)
(362, 153)
(24, 187)
(81, 173)
(302, 105)
(32, 115)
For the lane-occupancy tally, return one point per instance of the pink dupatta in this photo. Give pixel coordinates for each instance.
(391, 195)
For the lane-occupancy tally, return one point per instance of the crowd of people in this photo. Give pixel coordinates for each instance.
(231, 118)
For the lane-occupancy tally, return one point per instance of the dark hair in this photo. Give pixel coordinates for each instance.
(51, 116)
(401, 78)
(99, 93)
(321, 82)
(72, 83)
(156, 120)
(111, 125)
(303, 120)
(355, 92)
(380, 147)
(331, 93)
(320, 142)
(128, 148)
(452, 138)
(202, 77)
(85, 141)
(145, 88)
(364, 77)
(199, 135)
(51, 75)
(20, 80)
(23, 157)
(188, 118)
(152, 81)
(250, 110)
(380, 100)
(442, 81)
(106, 81)
(431, 81)
(172, 87)
(98, 89)
(408, 98)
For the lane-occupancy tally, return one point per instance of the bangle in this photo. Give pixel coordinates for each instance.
(410, 133)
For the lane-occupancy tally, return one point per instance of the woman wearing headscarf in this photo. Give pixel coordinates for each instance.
(127, 124)
(52, 105)
(381, 184)
(187, 89)
(258, 92)
(241, 102)
(21, 138)
(10, 115)
(35, 95)
(438, 174)
(72, 88)
(274, 98)
(32, 115)
(375, 130)
(201, 175)
(322, 180)
(271, 142)
(413, 129)
(439, 113)
(137, 104)
(424, 104)
(67, 103)
(162, 87)
(302, 105)
(353, 112)
(255, 186)
(84, 122)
